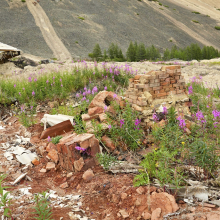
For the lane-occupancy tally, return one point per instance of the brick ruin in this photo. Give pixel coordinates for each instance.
(150, 92)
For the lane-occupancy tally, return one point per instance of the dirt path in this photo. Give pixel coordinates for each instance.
(48, 32)
(208, 7)
(183, 27)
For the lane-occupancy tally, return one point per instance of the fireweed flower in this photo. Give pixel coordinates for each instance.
(47, 81)
(137, 122)
(33, 93)
(77, 95)
(80, 148)
(31, 107)
(29, 79)
(105, 108)
(14, 85)
(48, 139)
(23, 88)
(19, 93)
(155, 117)
(105, 88)
(109, 127)
(122, 122)
(115, 96)
(61, 85)
(200, 117)
(165, 110)
(60, 80)
(35, 80)
(190, 90)
(182, 123)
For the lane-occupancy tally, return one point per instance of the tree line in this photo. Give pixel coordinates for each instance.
(138, 52)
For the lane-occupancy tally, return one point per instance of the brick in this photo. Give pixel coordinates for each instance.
(172, 93)
(142, 99)
(163, 76)
(139, 86)
(181, 87)
(162, 91)
(170, 71)
(179, 91)
(177, 77)
(137, 77)
(156, 92)
(133, 97)
(159, 73)
(172, 67)
(181, 81)
(154, 84)
(171, 85)
(173, 81)
(136, 81)
(176, 85)
(131, 80)
(156, 80)
(152, 77)
(178, 70)
(156, 88)
(161, 94)
(164, 83)
(167, 89)
(167, 80)
(181, 77)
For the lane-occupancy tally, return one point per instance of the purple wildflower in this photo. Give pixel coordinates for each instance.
(190, 90)
(109, 127)
(14, 85)
(105, 88)
(137, 122)
(23, 88)
(77, 95)
(35, 80)
(61, 85)
(165, 110)
(47, 81)
(155, 117)
(48, 139)
(200, 117)
(122, 122)
(29, 79)
(115, 96)
(105, 108)
(19, 93)
(33, 93)
(182, 122)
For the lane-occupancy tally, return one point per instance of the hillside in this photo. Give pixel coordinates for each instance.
(79, 24)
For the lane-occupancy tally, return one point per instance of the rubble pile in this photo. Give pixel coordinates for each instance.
(149, 93)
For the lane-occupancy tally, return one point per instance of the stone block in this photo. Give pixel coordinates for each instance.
(57, 129)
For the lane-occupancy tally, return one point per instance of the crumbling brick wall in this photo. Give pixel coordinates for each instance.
(160, 84)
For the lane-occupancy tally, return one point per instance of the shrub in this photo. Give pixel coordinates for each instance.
(195, 12)
(82, 18)
(55, 140)
(195, 21)
(217, 27)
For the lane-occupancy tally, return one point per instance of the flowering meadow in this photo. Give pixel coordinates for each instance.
(186, 141)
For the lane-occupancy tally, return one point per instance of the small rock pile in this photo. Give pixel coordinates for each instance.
(149, 93)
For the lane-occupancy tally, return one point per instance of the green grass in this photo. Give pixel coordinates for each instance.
(217, 27)
(58, 85)
(82, 18)
(196, 12)
(195, 21)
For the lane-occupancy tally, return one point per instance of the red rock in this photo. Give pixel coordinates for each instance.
(89, 163)
(146, 215)
(87, 117)
(51, 146)
(102, 117)
(115, 198)
(124, 196)
(123, 213)
(165, 201)
(88, 175)
(43, 170)
(57, 129)
(53, 155)
(78, 164)
(108, 142)
(113, 97)
(95, 110)
(35, 162)
(67, 138)
(213, 216)
(35, 140)
(99, 99)
(156, 214)
(140, 190)
(94, 145)
(64, 185)
(84, 144)
(50, 165)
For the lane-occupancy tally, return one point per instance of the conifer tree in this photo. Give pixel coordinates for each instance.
(97, 53)
(131, 52)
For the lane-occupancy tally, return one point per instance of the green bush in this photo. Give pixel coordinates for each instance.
(195, 21)
(195, 12)
(217, 27)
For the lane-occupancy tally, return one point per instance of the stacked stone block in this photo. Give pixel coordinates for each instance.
(160, 84)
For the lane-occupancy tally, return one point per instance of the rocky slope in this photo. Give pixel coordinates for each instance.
(82, 23)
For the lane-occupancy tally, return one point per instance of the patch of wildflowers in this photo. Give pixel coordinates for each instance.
(122, 122)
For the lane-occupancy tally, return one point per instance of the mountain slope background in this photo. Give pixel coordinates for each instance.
(80, 24)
